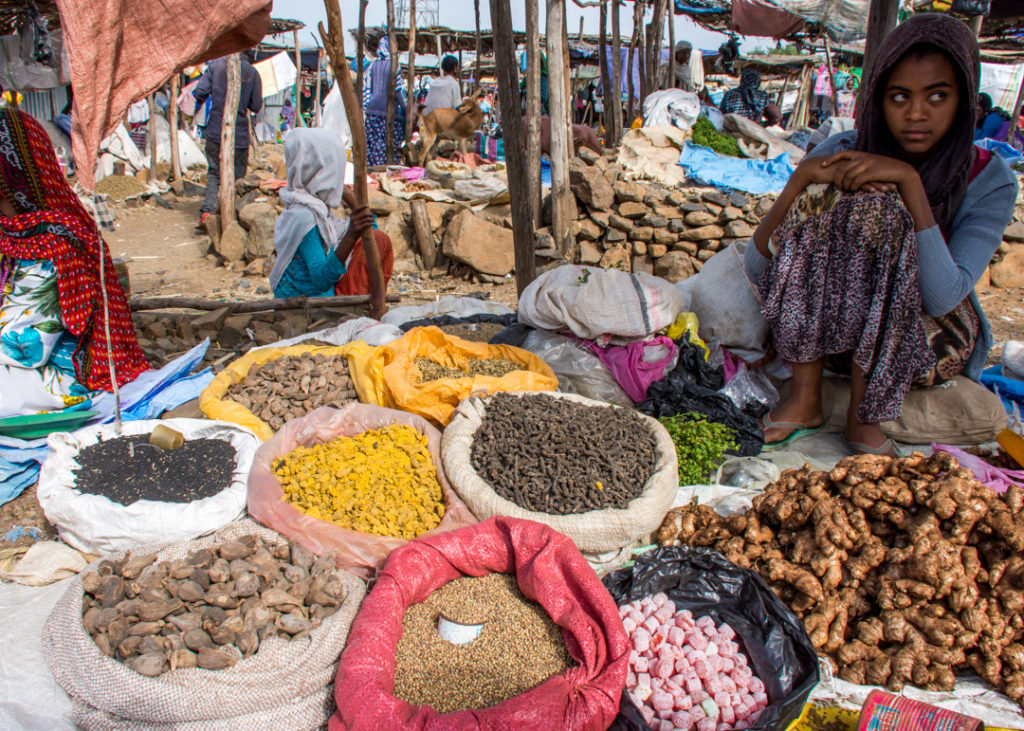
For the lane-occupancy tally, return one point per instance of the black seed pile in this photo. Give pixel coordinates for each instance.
(557, 456)
(198, 469)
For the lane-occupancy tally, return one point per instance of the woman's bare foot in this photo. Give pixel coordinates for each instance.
(869, 439)
(805, 413)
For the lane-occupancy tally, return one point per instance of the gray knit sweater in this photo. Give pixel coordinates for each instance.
(948, 269)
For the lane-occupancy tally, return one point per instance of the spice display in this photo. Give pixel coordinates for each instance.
(128, 469)
(518, 648)
(382, 482)
(904, 571)
(476, 332)
(120, 187)
(705, 135)
(210, 609)
(700, 445)
(558, 456)
(431, 370)
(286, 388)
(687, 673)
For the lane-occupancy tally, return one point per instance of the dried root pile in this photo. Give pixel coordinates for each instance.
(903, 571)
(210, 609)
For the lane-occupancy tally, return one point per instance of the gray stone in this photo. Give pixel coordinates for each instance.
(481, 245)
(675, 266)
(738, 229)
(739, 199)
(690, 247)
(618, 222)
(1014, 232)
(599, 217)
(587, 155)
(232, 241)
(762, 207)
(643, 264)
(259, 220)
(588, 229)
(732, 213)
(700, 218)
(626, 191)
(1009, 271)
(676, 225)
(642, 233)
(632, 209)
(705, 254)
(590, 253)
(639, 248)
(614, 236)
(713, 196)
(703, 233)
(654, 221)
(616, 257)
(662, 236)
(590, 186)
(657, 250)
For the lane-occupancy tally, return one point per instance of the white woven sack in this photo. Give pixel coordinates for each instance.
(596, 531)
(606, 305)
(95, 524)
(727, 303)
(287, 684)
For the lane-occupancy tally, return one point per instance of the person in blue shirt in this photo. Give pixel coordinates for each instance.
(990, 118)
(313, 246)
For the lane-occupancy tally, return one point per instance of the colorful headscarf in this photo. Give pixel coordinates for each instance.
(52, 224)
(947, 170)
(379, 72)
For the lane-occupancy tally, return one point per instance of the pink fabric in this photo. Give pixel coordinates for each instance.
(997, 478)
(627, 364)
(550, 570)
(121, 50)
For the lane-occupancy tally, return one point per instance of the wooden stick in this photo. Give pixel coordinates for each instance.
(832, 78)
(139, 304)
(533, 112)
(603, 61)
(410, 95)
(616, 99)
(424, 235)
(389, 118)
(630, 90)
(299, 121)
(670, 83)
(1011, 137)
(316, 94)
(562, 198)
(360, 50)
(515, 157)
(476, 12)
(334, 43)
(152, 137)
(226, 193)
(175, 155)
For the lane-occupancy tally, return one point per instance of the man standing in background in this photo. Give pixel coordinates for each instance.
(689, 72)
(214, 85)
(445, 92)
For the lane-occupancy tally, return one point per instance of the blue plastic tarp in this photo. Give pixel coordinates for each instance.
(1010, 390)
(1005, 151)
(732, 173)
(148, 396)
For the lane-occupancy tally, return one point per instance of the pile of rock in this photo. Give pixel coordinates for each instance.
(1007, 269)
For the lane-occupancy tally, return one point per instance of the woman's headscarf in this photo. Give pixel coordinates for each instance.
(315, 160)
(52, 224)
(379, 73)
(750, 91)
(946, 172)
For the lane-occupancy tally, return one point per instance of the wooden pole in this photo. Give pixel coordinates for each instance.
(173, 121)
(389, 119)
(975, 24)
(628, 121)
(656, 32)
(316, 102)
(670, 83)
(638, 9)
(410, 103)
(334, 43)
(226, 194)
(424, 234)
(360, 52)
(1010, 136)
(832, 78)
(139, 304)
(152, 136)
(476, 73)
(615, 103)
(533, 111)
(511, 119)
(299, 121)
(561, 139)
(782, 94)
(606, 83)
(881, 20)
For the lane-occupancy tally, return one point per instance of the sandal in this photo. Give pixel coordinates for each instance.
(799, 429)
(885, 449)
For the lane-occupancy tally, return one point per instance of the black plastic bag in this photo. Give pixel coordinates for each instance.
(692, 366)
(705, 582)
(442, 320)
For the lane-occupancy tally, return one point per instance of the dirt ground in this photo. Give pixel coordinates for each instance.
(167, 257)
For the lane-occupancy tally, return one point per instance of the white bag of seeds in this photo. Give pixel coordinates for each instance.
(605, 536)
(286, 684)
(97, 524)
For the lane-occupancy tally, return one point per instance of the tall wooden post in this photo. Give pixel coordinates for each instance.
(656, 30)
(605, 80)
(360, 52)
(334, 42)
(562, 203)
(831, 78)
(630, 89)
(533, 110)
(173, 121)
(512, 122)
(638, 8)
(881, 20)
(410, 94)
(615, 103)
(389, 118)
(299, 121)
(151, 99)
(671, 81)
(1010, 136)
(226, 194)
(316, 93)
(476, 73)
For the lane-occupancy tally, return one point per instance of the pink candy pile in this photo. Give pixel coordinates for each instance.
(688, 674)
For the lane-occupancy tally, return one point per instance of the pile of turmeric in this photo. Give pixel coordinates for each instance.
(904, 571)
(382, 482)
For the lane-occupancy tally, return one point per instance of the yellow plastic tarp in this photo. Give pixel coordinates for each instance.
(214, 404)
(389, 376)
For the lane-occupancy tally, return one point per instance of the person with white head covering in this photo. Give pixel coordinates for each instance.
(313, 246)
(689, 72)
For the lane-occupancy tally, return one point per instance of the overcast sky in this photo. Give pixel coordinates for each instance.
(458, 14)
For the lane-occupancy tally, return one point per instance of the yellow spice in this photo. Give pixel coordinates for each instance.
(381, 482)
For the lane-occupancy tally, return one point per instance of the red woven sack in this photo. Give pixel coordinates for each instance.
(550, 570)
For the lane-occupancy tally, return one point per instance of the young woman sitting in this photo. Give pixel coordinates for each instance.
(875, 274)
(318, 254)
